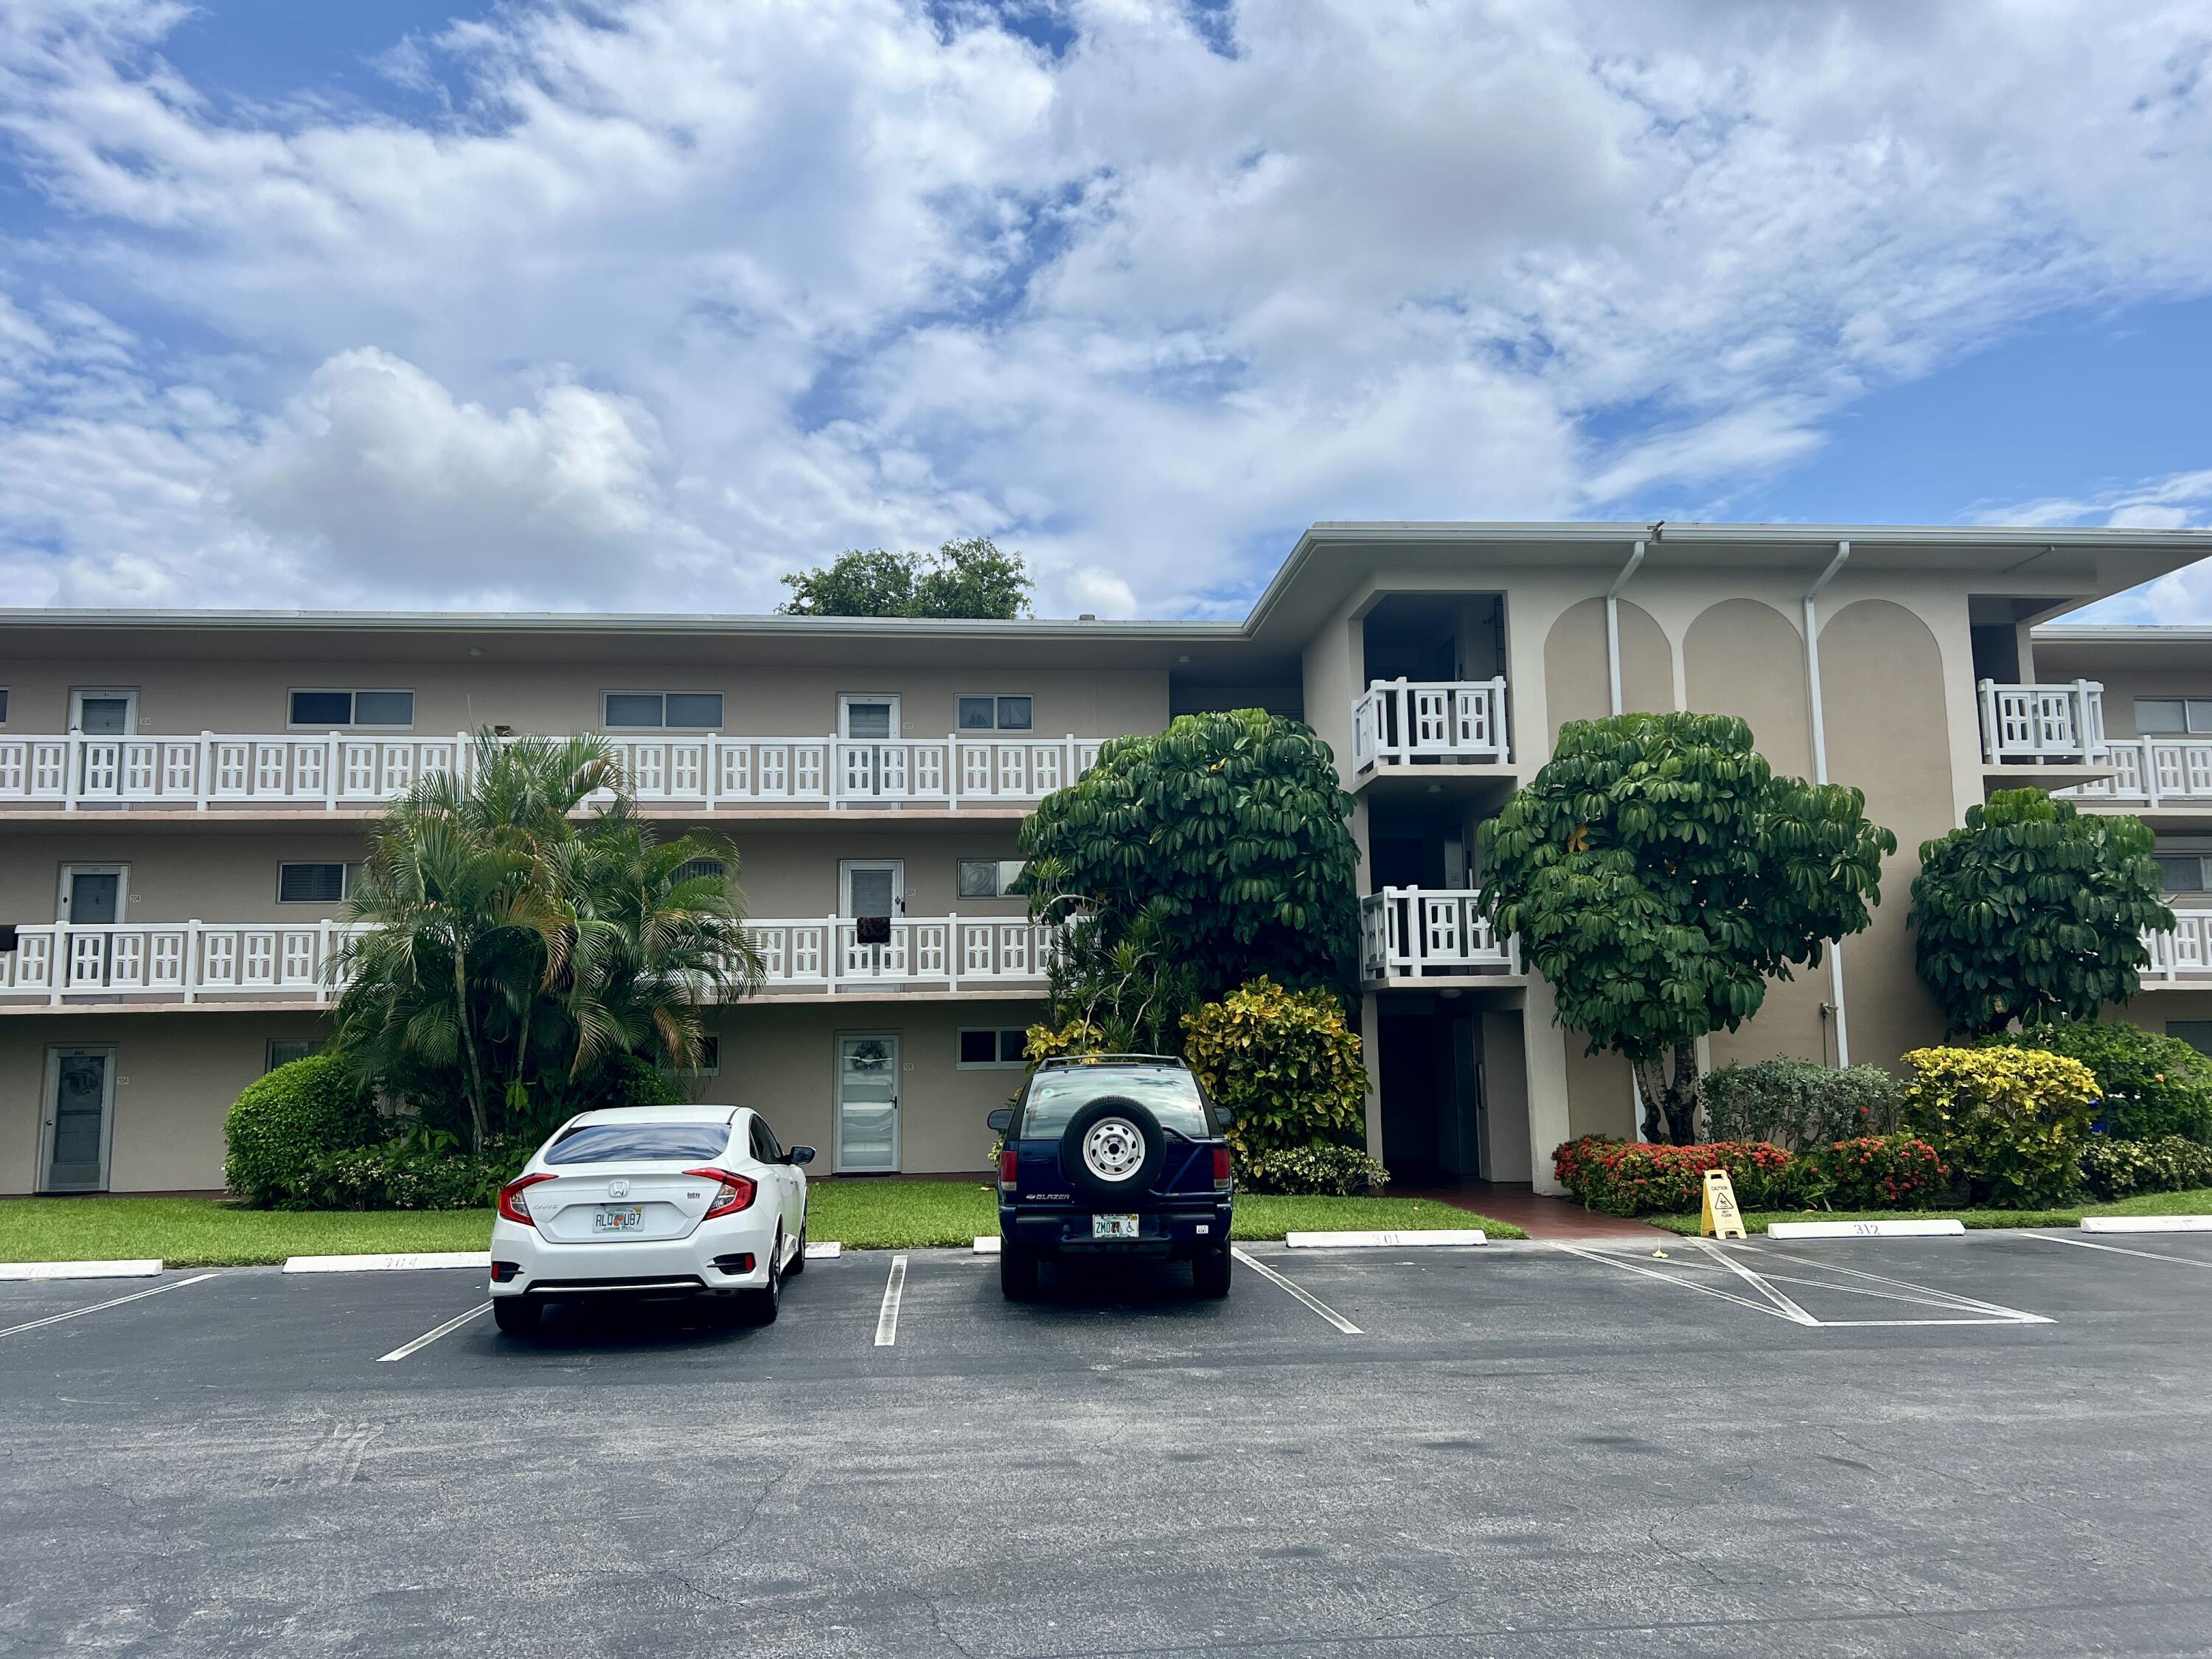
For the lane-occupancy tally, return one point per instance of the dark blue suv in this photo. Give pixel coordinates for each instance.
(1113, 1155)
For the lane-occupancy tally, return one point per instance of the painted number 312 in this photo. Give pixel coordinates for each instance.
(1867, 1229)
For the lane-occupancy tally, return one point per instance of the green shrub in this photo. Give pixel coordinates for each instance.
(2010, 1122)
(1285, 1065)
(1629, 1177)
(427, 1169)
(1326, 1172)
(2152, 1085)
(1796, 1104)
(282, 1126)
(2114, 1169)
(1883, 1172)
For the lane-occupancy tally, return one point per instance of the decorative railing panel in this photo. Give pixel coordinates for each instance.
(2038, 725)
(1400, 722)
(1419, 933)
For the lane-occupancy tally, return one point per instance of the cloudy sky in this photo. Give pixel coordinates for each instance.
(636, 305)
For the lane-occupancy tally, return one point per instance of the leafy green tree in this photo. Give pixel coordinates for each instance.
(2033, 911)
(969, 578)
(1659, 873)
(1220, 843)
(520, 954)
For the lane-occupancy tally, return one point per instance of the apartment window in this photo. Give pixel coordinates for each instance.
(988, 877)
(315, 883)
(995, 1048)
(692, 869)
(2183, 872)
(283, 1051)
(994, 714)
(664, 711)
(2196, 1033)
(324, 709)
(2171, 716)
(710, 1059)
(3, 704)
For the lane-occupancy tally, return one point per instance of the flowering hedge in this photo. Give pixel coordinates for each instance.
(1871, 1172)
(1883, 1172)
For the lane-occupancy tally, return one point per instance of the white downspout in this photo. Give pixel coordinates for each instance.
(1613, 625)
(1821, 772)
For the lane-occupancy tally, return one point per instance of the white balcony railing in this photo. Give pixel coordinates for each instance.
(335, 769)
(1400, 722)
(196, 961)
(2184, 955)
(2040, 724)
(1425, 932)
(2152, 772)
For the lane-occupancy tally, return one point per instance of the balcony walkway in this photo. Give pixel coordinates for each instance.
(1537, 1214)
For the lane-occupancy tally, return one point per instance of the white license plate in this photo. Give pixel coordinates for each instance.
(618, 1221)
(1113, 1227)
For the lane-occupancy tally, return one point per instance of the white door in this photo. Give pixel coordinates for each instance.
(867, 1102)
(92, 896)
(872, 761)
(79, 1119)
(107, 720)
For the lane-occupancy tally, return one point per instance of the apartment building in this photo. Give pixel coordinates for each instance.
(184, 797)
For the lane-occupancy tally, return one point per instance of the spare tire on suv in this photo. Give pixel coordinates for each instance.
(1112, 1150)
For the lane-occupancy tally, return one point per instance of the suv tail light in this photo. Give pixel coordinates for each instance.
(1221, 1166)
(513, 1205)
(1009, 1166)
(735, 1193)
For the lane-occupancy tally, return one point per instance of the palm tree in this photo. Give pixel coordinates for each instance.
(517, 943)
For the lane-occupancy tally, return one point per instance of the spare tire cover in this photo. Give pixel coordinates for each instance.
(1112, 1150)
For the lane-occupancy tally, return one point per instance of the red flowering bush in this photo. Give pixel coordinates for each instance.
(1624, 1177)
(1884, 1172)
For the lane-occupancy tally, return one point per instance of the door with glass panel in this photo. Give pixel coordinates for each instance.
(872, 895)
(80, 1105)
(873, 762)
(867, 1102)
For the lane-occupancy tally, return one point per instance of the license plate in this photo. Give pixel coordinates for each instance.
(618, 1221)
(1113, 1227)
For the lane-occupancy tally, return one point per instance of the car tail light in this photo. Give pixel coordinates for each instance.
(1221, 1166)
(735, 1193)
(1009, 1166)
(513, 1205)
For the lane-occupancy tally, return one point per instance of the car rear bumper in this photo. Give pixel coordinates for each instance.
(1172, 1231)
(702, 1263)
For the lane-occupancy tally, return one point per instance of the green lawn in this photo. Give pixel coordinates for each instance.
(2195, 1202)
(865, 1215)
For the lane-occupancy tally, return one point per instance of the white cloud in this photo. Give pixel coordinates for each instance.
(678, 303)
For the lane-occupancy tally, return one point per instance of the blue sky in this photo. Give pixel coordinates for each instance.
(642, 304)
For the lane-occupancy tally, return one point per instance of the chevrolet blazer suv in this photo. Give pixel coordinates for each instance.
(1112, 1155)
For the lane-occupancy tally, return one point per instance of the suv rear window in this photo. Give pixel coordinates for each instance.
(1172, 1094)
(605, 1143)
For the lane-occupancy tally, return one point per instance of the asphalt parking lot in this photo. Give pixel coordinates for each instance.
(1989, 1445)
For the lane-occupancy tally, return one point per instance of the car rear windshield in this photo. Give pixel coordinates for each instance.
(1172, 1094)
(610, 1143)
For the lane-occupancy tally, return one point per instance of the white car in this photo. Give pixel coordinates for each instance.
(652, 1202)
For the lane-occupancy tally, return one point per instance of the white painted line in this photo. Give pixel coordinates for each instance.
(2147, 1224)
(1901, 1229)
(2115, 1250)
(989, 1246)
(428, 1337)
(116, 1301)
(893, 1293)
(1796, 1313)
(145, 1267)
(1311, 1300)
(829, 1252)
(1366, 1241)
(1927, 1296)
(1763, 1306)
(388, 1264)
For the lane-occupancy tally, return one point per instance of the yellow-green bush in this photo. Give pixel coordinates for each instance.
(1286, 1066)
(2009, 1122)
(1078, 1036)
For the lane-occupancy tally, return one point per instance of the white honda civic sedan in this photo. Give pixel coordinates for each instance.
(652, 1202)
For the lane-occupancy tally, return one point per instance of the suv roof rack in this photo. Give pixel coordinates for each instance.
(1107, 1060)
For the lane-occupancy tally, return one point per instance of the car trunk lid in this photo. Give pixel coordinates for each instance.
(615, 1203)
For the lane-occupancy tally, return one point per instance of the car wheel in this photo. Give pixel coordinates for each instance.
(797, 1256)
(1209, 1272)
(516, 1314)
(1112, 1150)
(1017, 1272)
(762, 1306)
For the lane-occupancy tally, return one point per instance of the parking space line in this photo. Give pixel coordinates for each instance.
(1795, 1314)
(2148, 1256)
(116, 1301)
(1926, 1295)
(893, 1293)
(428, 1337)
(1311, 1300)
(1764, 1307)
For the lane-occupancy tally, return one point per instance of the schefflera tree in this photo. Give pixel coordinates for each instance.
(1659, 873)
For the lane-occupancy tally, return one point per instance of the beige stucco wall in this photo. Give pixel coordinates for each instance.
(1577, 685)
(1505, 1096)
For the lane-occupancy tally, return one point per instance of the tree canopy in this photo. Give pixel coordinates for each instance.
(1659, 873)
(2034, 911)
(1217, 850)
(969, 578)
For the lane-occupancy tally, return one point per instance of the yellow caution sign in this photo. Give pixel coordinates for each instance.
(1720, 1218)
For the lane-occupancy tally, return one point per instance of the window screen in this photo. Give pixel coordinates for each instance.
(353, 708)
(679, 711)
(867, 720)
(2183, 872)
(979, 878)
(2171, 716)
(283, 1051)
(994, 713)
(313, 884)
(2196, 1033)
(1001, 1047)
(3, 706)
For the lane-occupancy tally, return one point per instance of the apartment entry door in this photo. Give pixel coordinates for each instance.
(868, 1102)
(873, 761)
(93, 895)
(872, 889)
(80, 1113)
